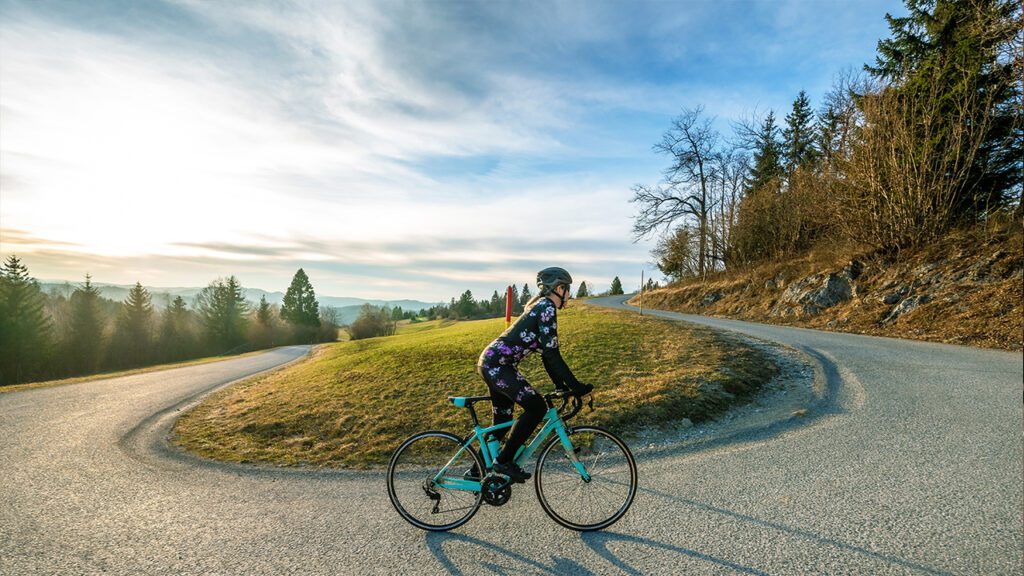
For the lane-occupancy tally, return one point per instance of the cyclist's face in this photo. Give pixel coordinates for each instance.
(564, 294)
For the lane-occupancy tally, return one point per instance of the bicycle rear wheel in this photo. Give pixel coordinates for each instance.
(411, 487)
(586, 505)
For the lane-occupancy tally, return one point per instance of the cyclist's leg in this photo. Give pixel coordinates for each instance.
(501, 404)
(513, 385)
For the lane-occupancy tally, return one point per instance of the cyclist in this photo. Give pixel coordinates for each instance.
(535, 330)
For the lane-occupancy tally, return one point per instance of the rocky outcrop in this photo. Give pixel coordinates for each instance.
(818, 292)
(710, 298)
(966, 289)
(905, 306)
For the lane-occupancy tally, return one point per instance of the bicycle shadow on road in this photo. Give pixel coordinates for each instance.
(596, 541)
(436, 542)
(798, 532)
(599, 541)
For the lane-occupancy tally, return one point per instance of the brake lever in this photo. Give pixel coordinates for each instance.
(590, 402)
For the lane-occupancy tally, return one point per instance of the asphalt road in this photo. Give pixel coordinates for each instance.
(910, 464)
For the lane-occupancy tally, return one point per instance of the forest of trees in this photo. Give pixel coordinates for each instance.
(928, 138)
(44, 336)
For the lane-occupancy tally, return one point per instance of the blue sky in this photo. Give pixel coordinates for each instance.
(391, 149)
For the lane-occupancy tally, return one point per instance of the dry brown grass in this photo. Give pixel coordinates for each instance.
(973, 277)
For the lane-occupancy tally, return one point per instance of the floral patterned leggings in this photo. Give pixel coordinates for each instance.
(508, 387)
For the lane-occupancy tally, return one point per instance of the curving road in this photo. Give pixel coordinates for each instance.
(910, 464)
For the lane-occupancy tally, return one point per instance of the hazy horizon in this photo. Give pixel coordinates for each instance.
(392, 150)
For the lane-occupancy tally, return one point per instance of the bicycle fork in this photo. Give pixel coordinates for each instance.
(571, 452)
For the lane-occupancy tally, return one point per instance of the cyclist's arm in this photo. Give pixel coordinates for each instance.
(559, 371)
(555, 365)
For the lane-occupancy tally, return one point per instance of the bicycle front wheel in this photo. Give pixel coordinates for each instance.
(414, 491)
(586, 504)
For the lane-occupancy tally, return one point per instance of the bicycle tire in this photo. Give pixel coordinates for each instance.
(613, 477)
(413, 465)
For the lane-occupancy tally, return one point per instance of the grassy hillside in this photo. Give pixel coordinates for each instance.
(353, 402)
(966, 289)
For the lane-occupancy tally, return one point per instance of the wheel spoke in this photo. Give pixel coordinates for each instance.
(587, 505)
(412, 491)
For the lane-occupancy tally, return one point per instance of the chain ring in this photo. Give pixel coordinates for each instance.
(498, 497)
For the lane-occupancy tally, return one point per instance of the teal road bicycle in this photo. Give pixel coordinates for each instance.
(585, 476)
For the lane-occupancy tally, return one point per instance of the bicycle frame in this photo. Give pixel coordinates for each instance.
(552, 423)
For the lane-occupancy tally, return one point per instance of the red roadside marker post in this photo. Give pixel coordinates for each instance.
(508, 307)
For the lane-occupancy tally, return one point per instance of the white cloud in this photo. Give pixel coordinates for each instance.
(269, 125)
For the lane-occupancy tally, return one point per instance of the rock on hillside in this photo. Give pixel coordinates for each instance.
(966, 289)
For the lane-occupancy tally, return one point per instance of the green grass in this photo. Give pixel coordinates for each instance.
(406, 327)
(353, 402)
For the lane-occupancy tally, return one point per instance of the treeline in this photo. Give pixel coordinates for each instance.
(45, 336)
(376, 321)
(928, 138)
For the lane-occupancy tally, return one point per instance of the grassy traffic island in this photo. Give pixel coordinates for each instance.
(352, 403)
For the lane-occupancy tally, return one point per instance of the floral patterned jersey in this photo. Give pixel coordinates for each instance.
(536, 329)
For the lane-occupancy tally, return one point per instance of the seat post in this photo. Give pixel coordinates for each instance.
(472, 414)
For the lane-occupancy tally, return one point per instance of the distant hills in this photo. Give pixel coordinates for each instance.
(348, 308)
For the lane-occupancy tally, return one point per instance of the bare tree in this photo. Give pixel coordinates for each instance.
(838, 117)
(903, 181)
(732, 167)
(686, 190)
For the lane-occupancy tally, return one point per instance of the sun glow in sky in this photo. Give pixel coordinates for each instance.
(391, 149)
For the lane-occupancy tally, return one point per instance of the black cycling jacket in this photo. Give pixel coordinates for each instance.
(535, 330)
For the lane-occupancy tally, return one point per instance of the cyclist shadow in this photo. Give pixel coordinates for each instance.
(790, 531)
(808, 535)
(596, 541)
(599, 543)
(436, 542)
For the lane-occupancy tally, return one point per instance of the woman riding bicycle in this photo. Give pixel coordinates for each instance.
(535, 329)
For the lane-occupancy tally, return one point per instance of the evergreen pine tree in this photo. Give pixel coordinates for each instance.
(85, 344)
(767, 168)
(466, 306)
(959, 51)
(582, 291)
(616, 287)
(830, 126)
(517, 307)
(300, 308)
(177, 340)
(222, 309)
(799, 135)
(135, 328)
(262, 333)
(26, 336)
(264, 313)
(495, 305)
(524, 297)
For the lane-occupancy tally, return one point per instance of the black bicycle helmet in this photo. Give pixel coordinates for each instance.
(550, 278)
